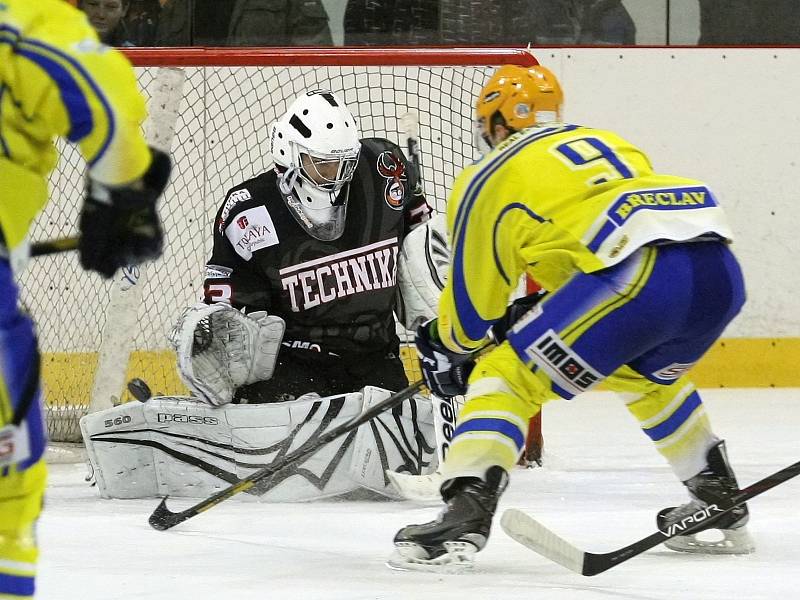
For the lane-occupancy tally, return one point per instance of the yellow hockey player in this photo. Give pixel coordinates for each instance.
(640, 280)
(57, 80)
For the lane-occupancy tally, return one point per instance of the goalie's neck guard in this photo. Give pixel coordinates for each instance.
(326, 223)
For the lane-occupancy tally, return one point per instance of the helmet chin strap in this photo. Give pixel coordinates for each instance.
(288, 179)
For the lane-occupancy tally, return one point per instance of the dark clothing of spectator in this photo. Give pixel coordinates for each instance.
(174, 24)
(606, 22)
(517, 22)
(279, 23)
(194, 23)
(392, 22)
(746, 22)
(573, 22)
(118, 37)
(141, 21)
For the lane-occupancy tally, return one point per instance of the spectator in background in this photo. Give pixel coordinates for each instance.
(605, 22)
(141, 21)
(194, 23)
(572, 22)
(107, 19)
(541, 22)
(744, 22)
(393, 22)
(279, 23)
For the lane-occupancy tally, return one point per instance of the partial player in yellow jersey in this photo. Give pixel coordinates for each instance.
(640, 282)
(56, 80)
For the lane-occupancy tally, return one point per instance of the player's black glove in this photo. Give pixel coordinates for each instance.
(119, 225)
(514, 313)
(445, 371)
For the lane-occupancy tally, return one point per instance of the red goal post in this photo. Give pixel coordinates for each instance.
(230, 97)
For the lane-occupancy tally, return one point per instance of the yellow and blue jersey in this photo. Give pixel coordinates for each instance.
(57, 80)
(552, 202)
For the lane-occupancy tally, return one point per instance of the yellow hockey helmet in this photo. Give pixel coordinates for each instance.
(523, 97)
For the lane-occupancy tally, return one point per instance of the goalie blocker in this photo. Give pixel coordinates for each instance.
(178, 446)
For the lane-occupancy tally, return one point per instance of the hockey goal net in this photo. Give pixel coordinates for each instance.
(229, 99)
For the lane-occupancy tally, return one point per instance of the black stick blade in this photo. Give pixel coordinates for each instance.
(163, 518)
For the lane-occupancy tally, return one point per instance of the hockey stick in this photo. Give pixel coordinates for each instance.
(530, 533)
(54, 246)
(409, 123)
(163, 518)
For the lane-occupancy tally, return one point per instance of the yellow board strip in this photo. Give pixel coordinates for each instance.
(732, 362)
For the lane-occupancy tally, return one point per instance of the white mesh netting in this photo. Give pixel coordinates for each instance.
(221, 140)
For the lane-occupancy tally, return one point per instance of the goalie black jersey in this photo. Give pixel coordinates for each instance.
(337, 297)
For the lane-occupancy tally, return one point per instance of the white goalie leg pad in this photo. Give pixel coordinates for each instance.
(422, 272)
(424, 488)
(220, 349)
(399, 441)
(178, 446)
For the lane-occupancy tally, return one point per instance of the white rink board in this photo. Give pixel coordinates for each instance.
(600, 495)
(726, 116)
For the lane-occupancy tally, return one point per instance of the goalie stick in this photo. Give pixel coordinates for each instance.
(530, 533)
(163, 518)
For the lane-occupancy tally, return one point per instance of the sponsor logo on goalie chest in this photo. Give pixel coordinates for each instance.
(250, 231)
(325, 279)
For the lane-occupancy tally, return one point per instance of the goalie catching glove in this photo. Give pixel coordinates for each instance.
(119, 225)
(220, 349)
(445, 372)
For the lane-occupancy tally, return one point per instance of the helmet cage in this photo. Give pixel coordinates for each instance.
(328, 172)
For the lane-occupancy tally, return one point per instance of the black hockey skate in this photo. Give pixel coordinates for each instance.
(461, 529)
(716, 482)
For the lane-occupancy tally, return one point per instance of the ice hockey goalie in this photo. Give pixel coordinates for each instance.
(296, 331)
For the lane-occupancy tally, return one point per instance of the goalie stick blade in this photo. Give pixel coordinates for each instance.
(532, 534)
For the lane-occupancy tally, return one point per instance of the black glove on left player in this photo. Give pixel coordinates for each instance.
(445, 371)
(119, 225)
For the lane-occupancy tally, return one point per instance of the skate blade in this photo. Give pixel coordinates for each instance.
(734, 541)
(459, 558)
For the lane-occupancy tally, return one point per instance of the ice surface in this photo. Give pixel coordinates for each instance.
(601, 488)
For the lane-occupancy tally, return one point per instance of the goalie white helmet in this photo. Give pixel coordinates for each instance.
(315, 146)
